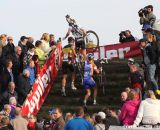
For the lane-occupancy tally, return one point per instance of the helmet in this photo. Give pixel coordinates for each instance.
(67, 16)
(90, 56)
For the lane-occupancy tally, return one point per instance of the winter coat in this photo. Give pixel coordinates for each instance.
(129, 112)
(149, 112)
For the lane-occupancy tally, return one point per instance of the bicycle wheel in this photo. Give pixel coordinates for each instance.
(91, 40)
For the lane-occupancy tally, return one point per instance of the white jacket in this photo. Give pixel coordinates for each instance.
(149, 112)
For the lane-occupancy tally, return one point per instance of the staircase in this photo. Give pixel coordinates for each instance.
(117, 81)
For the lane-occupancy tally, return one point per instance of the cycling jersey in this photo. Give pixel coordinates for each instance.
(76, 32)
(88, 81)
(87, 70)
(67, 53)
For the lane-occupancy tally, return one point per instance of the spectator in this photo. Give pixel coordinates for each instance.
(13, 104)
(10, 92)
(42, 56)
(33, 125)
(147, 18)
(45, 43)
(19, 123)
(6, 124)
(131, 62)
(149, 111)
(22, 43)
(78, 122)
(127, 90)
(30, 41)
(1, 116)
(8, 50)
(99, 123)
(29, 55)
(7, 75)
(124, 97)
(136, 80)
(32, 74)
(102, 115)
(17, 63)
(126, 36)
(52, 41)
(23, 86)
(129, 109)
(149, 62)
(111, 118)
(60, 123)
(52, 121)
(36, 62)
(68, 117)
(3, 40)
(6, 110)
(88, 118)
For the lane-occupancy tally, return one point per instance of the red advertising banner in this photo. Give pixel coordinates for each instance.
(117, 51)
(43, 83)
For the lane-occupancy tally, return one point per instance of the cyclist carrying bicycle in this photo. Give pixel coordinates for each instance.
(78, 34)
(89, 69)
(68, 64)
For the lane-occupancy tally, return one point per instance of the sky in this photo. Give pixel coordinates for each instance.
(106, 17)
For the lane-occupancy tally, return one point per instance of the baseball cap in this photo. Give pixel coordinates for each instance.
(102, 115)
(131, 60)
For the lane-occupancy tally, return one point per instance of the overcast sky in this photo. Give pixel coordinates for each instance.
(106, 17)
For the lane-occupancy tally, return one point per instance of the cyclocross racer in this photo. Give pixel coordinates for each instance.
(67, 66)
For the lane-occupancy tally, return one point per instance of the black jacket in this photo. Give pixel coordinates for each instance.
(8, 51)
(150, 52)
(17, 67)
(7, 95)
(126, 39)
(5, 79)
(23, 88)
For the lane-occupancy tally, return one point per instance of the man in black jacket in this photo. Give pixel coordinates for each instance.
(9, 93)
(23, 86)
(8, 50)
(149, 62)
(126, 36)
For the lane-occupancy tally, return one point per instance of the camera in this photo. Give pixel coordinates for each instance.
(122, 33)
(143, 11)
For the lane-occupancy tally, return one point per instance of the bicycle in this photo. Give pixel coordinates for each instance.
(90, 37)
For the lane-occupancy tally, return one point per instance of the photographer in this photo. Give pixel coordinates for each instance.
(146, 16)
(126, 36)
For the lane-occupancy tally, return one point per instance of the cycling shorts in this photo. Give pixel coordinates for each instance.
(67, 68)
(80, 43)
(89, 83)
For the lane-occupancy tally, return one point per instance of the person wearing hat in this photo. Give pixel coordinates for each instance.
(149, 18)
(149, 62)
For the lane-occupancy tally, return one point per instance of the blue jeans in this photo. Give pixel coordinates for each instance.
(151, 76)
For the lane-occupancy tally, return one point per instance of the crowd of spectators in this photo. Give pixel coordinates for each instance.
(19, 67)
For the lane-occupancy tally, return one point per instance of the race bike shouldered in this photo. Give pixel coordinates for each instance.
(90, 37)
